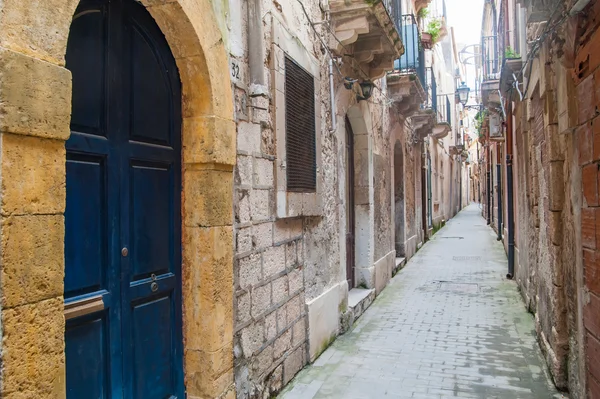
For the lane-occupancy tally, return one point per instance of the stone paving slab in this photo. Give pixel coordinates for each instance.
(449, 325)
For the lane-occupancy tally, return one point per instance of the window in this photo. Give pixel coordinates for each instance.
(295, 83)
(300, 128)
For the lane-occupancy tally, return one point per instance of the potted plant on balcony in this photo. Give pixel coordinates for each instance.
(432, 34)
(510, 54)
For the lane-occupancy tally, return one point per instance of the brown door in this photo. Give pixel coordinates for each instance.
(350, 220)
(423, 194)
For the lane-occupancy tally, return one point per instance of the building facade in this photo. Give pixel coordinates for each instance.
(540, 97)
(209, 192)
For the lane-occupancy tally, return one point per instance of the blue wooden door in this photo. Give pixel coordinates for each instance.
(123, 212)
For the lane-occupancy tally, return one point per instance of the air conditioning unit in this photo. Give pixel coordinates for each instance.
(496, 133)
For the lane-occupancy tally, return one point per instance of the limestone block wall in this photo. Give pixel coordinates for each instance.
(555, 176)
(282, 264)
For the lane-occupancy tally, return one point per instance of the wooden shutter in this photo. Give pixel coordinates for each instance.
(300, 128)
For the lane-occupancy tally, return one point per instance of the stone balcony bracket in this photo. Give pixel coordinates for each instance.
(419, 4)
(423, 122)
(443, 30)
(365, 30)
(510, 69)
(407, 92)
(441, 130)
(489, 92)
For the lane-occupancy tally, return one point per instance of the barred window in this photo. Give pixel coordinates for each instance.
(300, 130)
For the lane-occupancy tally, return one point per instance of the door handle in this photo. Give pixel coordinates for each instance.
(83, 307)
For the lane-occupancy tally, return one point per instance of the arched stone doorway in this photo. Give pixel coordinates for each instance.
(399, 199)
(35, 104)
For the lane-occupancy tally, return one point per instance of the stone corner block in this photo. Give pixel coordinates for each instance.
(35, 96)
(33, 175)
(32, 258)
(209, 140)
(324, 319)
(208, 197)
(33, 358)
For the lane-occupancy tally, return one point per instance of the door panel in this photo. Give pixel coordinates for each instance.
(123, 223)
(150, 105)
(88, 342)
(86, 58)
(152, 244)
(153, 351)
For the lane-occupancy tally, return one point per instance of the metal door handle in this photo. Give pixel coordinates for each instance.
(83, 307)
(124, 252)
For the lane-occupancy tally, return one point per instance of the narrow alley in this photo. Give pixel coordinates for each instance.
(448, 325)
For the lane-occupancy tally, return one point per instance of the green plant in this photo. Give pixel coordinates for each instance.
(510, 53)
(479, 118)
(434, 28)
(423, 13)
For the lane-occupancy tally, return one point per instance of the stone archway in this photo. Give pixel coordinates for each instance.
(399, 199)
(35, 103)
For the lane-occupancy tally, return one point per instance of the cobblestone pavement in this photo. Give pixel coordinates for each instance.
(448, 325)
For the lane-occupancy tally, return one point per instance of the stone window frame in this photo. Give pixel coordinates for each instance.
(289, 203)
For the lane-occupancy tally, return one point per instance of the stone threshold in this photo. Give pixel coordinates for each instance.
(399, 265)
(359, 299)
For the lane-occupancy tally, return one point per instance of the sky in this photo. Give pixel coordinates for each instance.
(465, 17)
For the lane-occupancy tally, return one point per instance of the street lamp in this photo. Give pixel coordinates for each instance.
(463, 93)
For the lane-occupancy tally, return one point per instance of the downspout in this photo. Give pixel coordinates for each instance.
(478, 174)
(255, 49)
(509, 193)
(499, 190)
(423, 194)
(488, 193)
(332, 95)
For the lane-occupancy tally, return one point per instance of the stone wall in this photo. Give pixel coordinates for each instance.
(277, 267)
(556, 176)
(586, 87)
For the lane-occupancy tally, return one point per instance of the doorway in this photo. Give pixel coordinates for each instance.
(399, 199)
(123, 209)
(350, 208)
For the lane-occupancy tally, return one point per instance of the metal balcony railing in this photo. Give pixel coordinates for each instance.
(490, 58)
(394, 8)
(413, 59)
(430, 85)
(443, 110)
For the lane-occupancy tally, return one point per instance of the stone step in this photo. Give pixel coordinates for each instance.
(400, 263)
(359, 299)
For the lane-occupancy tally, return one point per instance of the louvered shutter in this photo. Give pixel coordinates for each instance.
(300, 128)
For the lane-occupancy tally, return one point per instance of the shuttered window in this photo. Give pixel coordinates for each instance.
(300, 131)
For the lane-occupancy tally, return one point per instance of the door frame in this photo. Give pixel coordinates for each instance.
(33, 161)
(350, 207)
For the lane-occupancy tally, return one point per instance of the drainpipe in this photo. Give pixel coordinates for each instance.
(255, 49)
(509, 194)
(423, 194)
(478, 174)
(488, 193)
(332, 95)
(499, 181)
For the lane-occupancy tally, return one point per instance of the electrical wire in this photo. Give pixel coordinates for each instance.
(346, 54)
(537, 43)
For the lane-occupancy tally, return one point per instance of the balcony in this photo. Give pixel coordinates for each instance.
(490, 65)
(366, 30)
(419, 4)
(443, 124)
(407, 81)
(424, 120)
